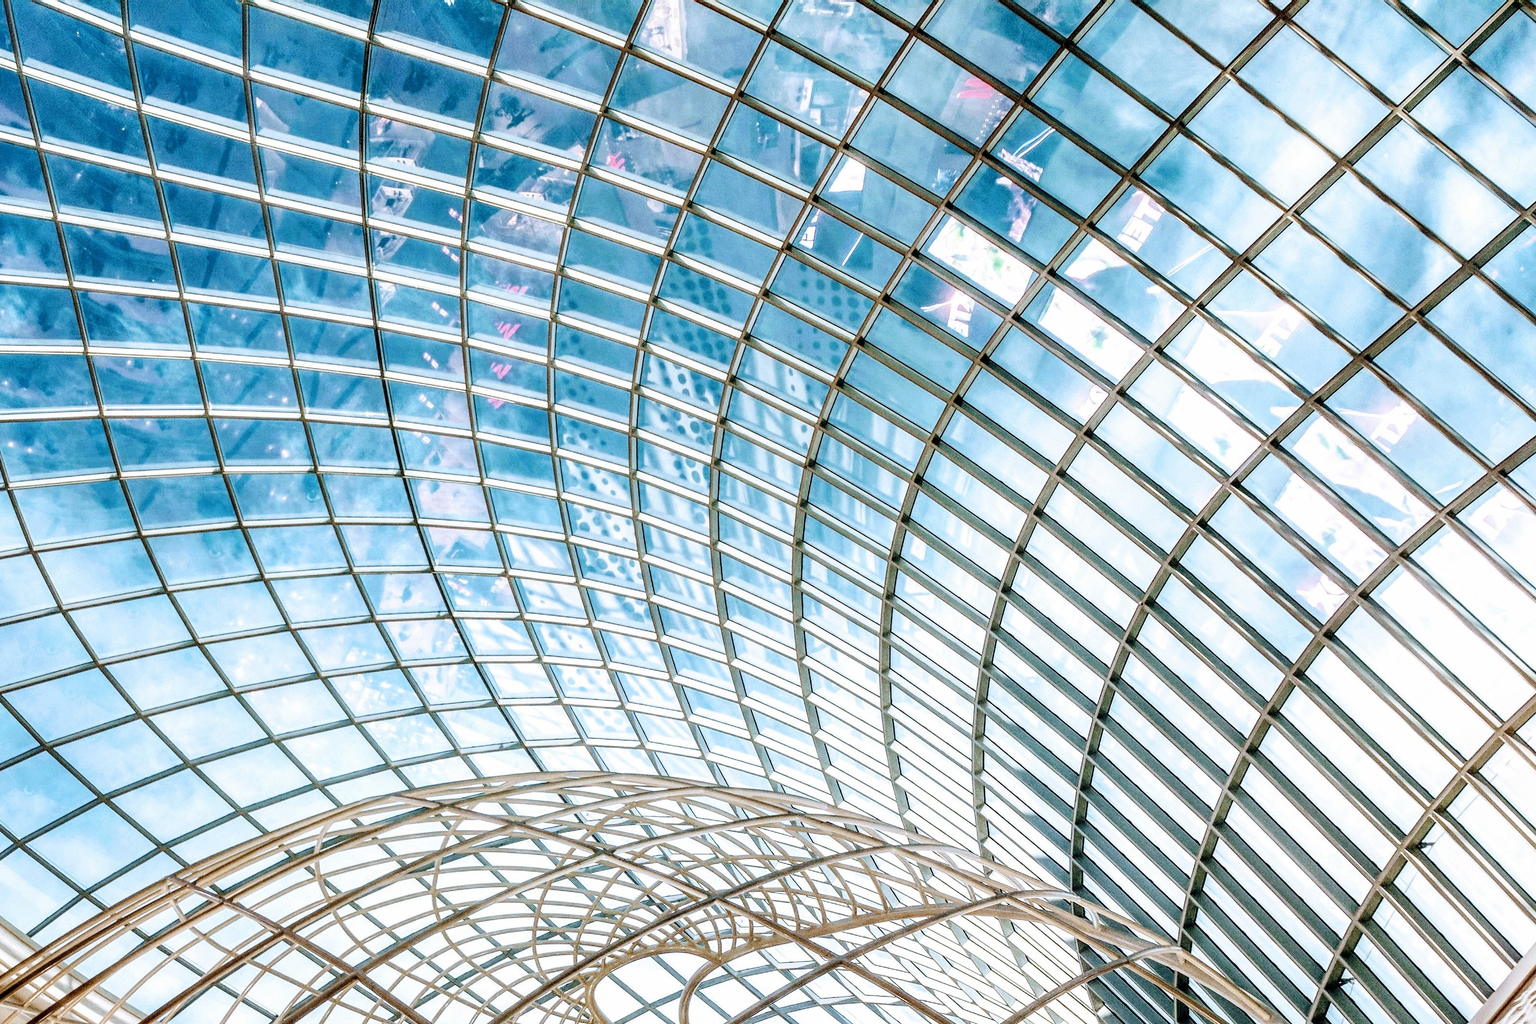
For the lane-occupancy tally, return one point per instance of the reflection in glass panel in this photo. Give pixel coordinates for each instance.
(980, 414)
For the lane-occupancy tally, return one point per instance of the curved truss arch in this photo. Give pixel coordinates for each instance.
(512, 900)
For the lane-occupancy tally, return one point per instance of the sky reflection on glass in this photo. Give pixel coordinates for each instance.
(1093, 434)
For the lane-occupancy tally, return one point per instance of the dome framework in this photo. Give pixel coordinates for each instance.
(518, 900)
(1096, 434)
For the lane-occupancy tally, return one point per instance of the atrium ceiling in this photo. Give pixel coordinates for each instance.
(1091, 434)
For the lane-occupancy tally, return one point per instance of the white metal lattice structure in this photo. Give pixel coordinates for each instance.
(571, 899)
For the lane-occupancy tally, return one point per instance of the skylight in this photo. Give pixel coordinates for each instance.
(1094, 435)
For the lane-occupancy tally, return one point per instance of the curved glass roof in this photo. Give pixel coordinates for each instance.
(1093, 434)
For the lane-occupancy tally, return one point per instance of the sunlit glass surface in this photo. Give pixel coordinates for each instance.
(1093, 434)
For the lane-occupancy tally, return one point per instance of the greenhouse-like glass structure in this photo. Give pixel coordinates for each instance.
(1096, 436)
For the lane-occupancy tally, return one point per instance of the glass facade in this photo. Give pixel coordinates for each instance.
(1092, 434)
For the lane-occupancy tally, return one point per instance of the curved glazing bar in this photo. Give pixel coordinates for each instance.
(1094, 434)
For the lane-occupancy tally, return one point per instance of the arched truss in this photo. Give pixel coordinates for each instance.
(522, 899)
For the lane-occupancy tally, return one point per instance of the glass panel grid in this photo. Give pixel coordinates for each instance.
(1093, 434)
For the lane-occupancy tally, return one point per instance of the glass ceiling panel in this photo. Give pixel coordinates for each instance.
(1094, 434)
